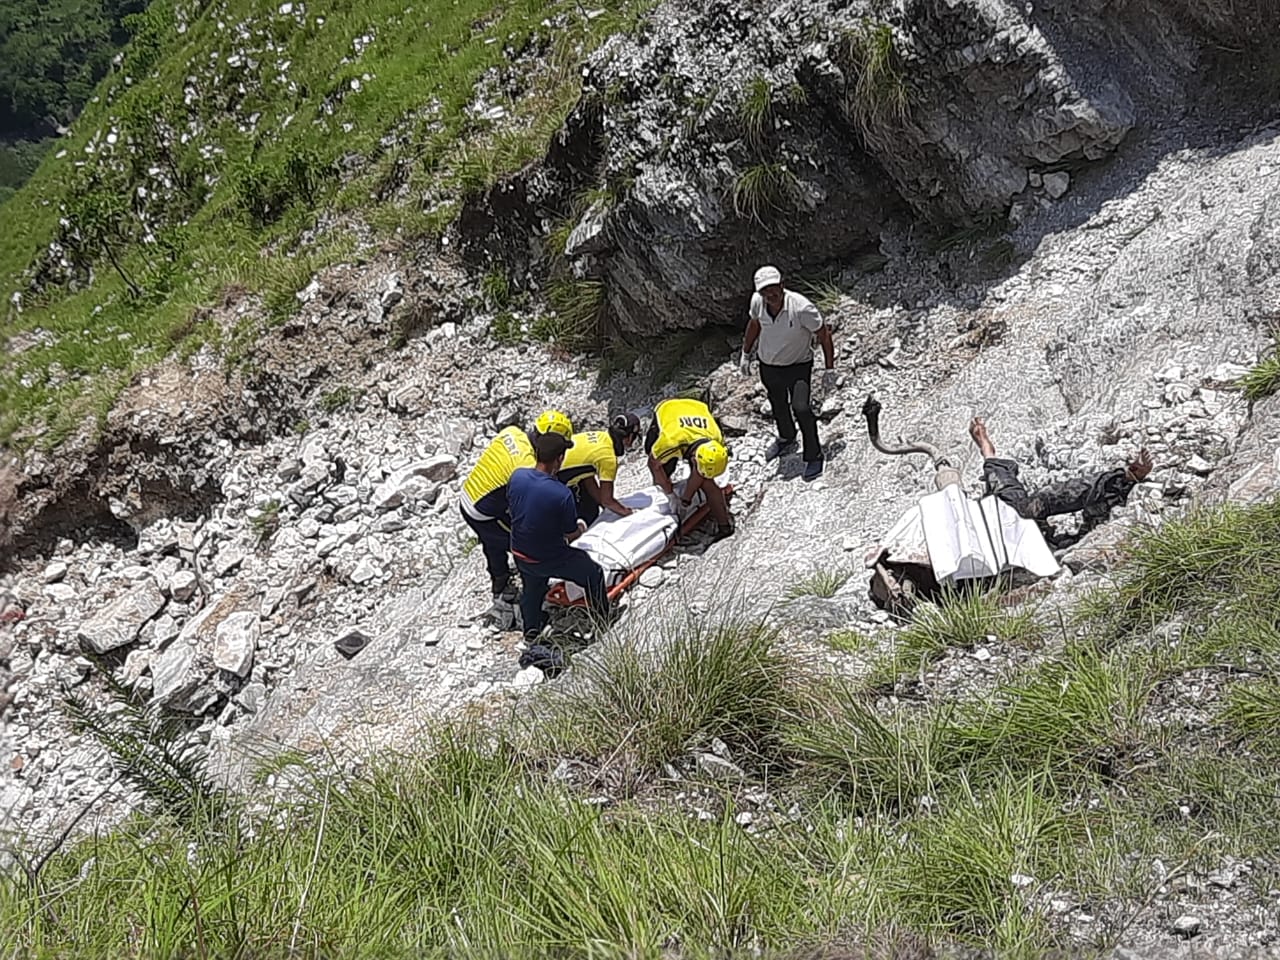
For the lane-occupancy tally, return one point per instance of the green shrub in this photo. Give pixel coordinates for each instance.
(266, 187)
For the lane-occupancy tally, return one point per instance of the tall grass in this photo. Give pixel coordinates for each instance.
(962, 618)
(639, 706)
(951, 820)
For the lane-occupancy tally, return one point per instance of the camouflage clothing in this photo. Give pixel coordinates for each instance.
(1093, 496)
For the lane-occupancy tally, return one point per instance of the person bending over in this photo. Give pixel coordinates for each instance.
(591, 466)
(686, 429)
(484, 494)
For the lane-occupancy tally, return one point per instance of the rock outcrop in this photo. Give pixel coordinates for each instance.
(722, 136)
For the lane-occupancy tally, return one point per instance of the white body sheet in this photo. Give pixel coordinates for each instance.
(968, 539)
(620, 544)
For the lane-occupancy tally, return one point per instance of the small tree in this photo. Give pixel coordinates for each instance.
(97, 219)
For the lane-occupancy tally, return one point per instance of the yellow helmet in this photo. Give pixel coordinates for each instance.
(711, 458)
(553, 421)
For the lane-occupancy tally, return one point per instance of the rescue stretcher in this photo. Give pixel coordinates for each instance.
(625, 547)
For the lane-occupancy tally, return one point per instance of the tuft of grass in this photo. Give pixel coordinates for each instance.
(336, 399)
(878, 98)
(821, 583)
(1264, 379)
(880, 760)
(267, 521)
(507, 328)
(496, 289)
(848, 641)
(825, 293)
(639, 706)
(579, 311)
(1214, 556)
(1252, 712)
(764, 190)
(756, 109)
(962, 619)
(1078, 713)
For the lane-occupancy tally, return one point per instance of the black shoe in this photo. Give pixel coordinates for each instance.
(813, 470)
(779, 448)
(722, 531)
(504, 588)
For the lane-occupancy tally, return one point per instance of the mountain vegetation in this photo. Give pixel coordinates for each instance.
(230, 149)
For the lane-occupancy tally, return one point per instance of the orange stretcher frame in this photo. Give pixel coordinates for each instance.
(559, 597)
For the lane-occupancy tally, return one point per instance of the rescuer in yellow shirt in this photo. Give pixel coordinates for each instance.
(685, 429)
(484, 493)
(591, 466)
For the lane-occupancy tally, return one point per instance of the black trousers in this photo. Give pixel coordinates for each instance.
(495, 541)
(1094, 496)
(790, 396)
(588, 509)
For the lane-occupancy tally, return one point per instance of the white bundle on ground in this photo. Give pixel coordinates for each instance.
(970, 539)
(620, 544)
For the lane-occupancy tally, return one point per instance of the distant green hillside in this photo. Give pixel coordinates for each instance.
(234, 128)
(52, 54)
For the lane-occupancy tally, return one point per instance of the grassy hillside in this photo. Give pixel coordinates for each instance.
(1130, 758)
(228, 148)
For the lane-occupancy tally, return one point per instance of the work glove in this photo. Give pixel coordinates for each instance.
(673, 501)
(829, 378)
(744, 363)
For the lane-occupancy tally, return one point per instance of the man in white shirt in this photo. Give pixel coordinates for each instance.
(785, 326)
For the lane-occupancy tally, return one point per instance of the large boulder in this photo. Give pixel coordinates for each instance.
(118, 623)
(719, 138)
(186, 677)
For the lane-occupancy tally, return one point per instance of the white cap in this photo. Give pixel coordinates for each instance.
(767, 277)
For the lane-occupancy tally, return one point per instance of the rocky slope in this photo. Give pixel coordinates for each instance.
(722, 135)
(212, 563)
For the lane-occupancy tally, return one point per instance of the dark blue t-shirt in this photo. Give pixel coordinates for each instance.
(542, 512)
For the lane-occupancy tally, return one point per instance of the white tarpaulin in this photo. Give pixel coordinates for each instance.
(620, 544)
(968, 539)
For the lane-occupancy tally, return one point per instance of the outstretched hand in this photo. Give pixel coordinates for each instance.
(1140, 468)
